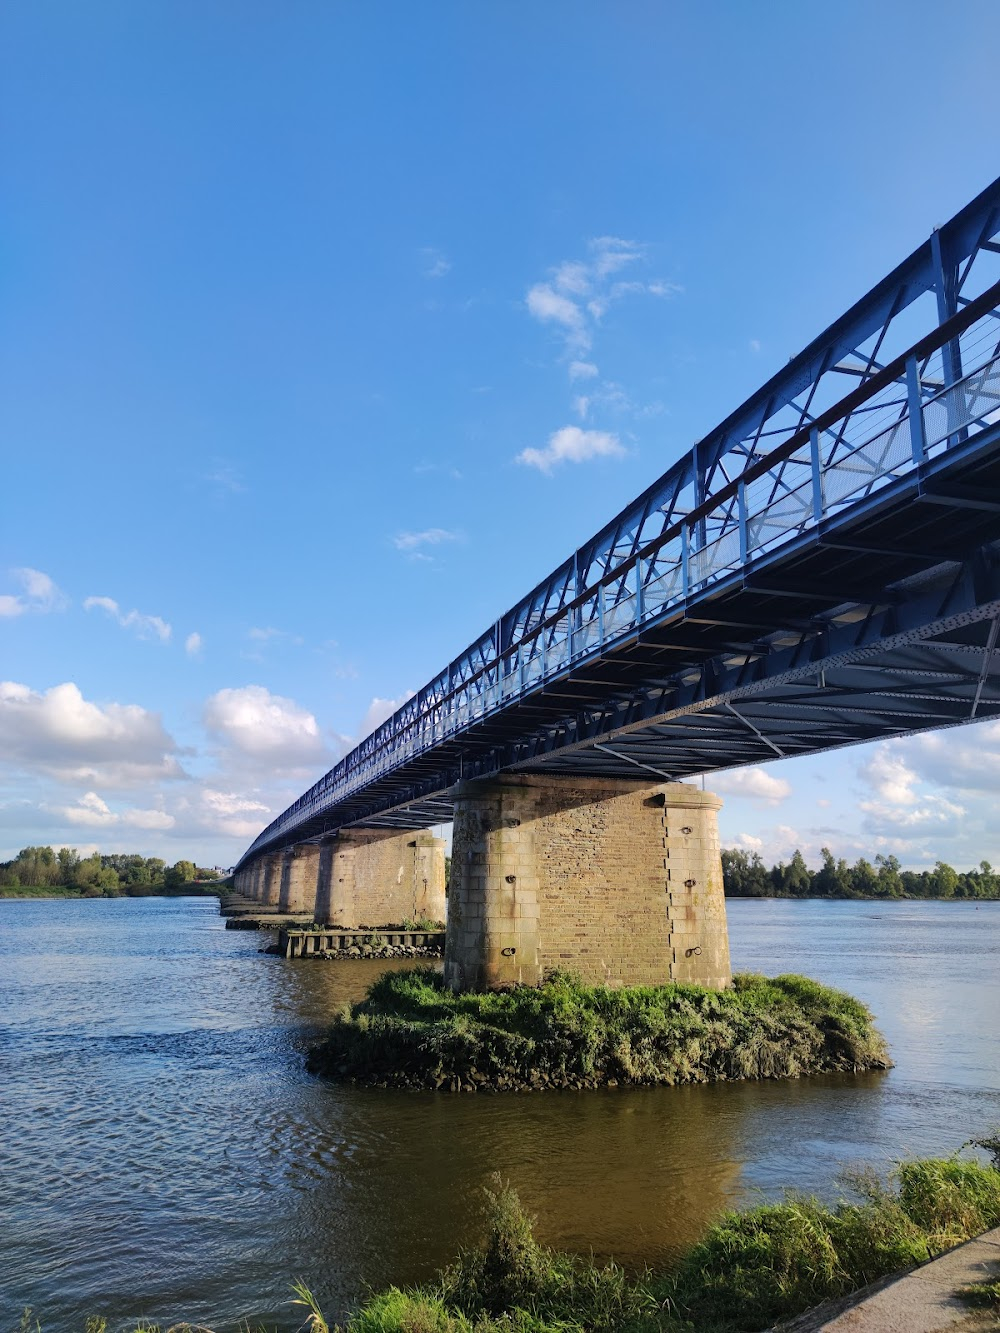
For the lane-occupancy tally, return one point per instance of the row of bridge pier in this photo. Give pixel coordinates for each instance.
(619, 882)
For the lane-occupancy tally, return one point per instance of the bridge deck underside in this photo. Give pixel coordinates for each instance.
(880, 623)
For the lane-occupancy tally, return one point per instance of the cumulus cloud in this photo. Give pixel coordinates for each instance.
(755, 783)
(38, 594)
(933, 814)
(378, 711)
(90, 811)
(967, 758)
(226, 813)
(890, 777)
(146, 627)
(64, 735)
(192, 644)
(748, 842)
(897, 808)
(265, 728)
(571, 444)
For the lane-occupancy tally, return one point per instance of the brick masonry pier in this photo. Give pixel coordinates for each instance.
(617, 881)
(358, 878)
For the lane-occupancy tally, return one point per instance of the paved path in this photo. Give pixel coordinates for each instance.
(921, 1301)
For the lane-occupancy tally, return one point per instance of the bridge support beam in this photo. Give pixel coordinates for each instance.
(249, 879)
(298, 878)
(271, 879)
(375, 877)
(617, 881)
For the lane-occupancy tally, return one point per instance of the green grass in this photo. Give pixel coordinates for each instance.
(45, 891)
(752, 1269)
(411, 1031)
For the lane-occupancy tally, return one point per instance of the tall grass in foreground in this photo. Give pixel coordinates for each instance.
(751, 1270)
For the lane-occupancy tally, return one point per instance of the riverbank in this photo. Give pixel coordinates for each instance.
(24, 894)
(411, 1032)
(753, 1269)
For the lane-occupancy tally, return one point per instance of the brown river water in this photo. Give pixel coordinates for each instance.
(163, 1153)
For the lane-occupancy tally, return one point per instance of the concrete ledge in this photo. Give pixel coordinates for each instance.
(306, 943)
(924, 1300)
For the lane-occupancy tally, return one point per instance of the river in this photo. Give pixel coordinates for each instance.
(163, 1154)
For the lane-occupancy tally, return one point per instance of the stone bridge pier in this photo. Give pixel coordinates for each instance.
(617, 881)
(359, 877)
(374, 877)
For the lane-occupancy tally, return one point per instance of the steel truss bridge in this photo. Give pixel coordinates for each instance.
(822, 569)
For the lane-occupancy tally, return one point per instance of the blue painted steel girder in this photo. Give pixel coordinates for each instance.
(669, 597)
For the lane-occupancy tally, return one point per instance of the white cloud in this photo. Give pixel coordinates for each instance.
(748, 842)
(412, 541)
(934, 814)
(574, 298)
(435, 264)
(582, 370)
(572, 277)
(572, 445)
(755, 783)
(967, 758)
(61, 734)
(90, 811)
(192, 644)
(611, 253)
(754, 344)
(145, 626)
(889, 776)
(39, 594)
(266, 728)
(231, 814)
(551, 307)
(378, 711)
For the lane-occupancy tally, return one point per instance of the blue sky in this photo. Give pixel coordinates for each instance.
(295, 400)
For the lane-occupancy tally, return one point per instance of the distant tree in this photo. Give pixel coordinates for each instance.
(864, 879)
(95, 879)
(744, 875)
(179, 874)
(890, 881)
(833, 879)
(796, 881)
(944, 880)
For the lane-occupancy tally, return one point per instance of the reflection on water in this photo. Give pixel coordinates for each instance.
(164, 1154)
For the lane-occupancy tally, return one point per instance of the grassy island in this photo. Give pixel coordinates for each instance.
(411, 1032)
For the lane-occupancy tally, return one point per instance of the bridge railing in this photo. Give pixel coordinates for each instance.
(914, 409)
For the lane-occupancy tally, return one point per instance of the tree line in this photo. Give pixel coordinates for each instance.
(97, 876)
(745, 875)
